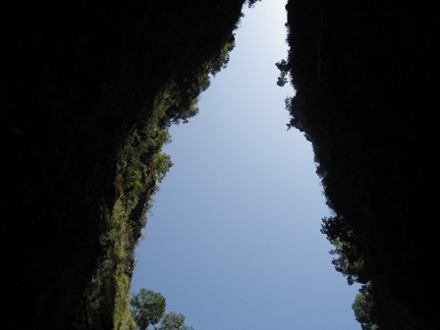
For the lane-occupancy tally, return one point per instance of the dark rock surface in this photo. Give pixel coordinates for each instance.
(78, 77)
(365, 74)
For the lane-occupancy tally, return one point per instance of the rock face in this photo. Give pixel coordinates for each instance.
(86, 104)
(89, 89)
(365, 75)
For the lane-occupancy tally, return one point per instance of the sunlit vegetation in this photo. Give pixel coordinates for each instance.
(349, 261)
(92, 90)
(140, 169)
(148, 309)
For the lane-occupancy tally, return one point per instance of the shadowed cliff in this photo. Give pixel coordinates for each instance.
(90, 89)
(88, 93)
(365, 74)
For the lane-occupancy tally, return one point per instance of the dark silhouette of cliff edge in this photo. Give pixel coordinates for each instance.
(90, 88)
(88, 92)
(365, 74)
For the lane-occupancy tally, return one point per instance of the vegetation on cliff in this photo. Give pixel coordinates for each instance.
(140, 168)
(91, 88)
(148, 310)
(364, 77)
(91, 91)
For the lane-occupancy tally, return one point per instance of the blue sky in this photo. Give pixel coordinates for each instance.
(233, 240)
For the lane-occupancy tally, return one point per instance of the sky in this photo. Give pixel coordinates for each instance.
(233, 240)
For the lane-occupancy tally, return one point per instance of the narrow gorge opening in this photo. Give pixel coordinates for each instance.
(89, 93)
(233, 240)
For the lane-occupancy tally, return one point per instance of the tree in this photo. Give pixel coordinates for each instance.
(148, 308)
(174, 321)
(283, 66)
(363, 308)
(251, 3)
(349, 259)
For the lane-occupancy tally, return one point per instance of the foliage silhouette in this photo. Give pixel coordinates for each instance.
(363, 307)
(284, 67)
(174, 321)
(148, 308)
(364, 77)
(252, 3)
